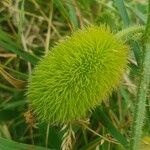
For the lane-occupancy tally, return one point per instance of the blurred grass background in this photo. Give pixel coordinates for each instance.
(28, 30)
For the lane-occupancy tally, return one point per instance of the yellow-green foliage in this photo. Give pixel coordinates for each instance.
(77, 75)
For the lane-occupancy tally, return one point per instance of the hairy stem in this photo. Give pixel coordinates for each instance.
(142, 90)
(130, 31)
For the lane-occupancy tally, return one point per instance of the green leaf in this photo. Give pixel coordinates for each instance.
(72, 14)
(69, 13)
(8, 44)
(123, 12)
(137, 52)
(62, 9)
(54, 136)
(7, 88)
(138, 13)
(91, 144)
(100, 115)
(11, 145)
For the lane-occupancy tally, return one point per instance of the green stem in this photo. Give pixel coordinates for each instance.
(130, 31)
(142, 90)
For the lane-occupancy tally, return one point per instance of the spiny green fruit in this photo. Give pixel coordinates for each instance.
(76, 75)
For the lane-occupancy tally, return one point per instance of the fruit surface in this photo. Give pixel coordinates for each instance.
(76, 75)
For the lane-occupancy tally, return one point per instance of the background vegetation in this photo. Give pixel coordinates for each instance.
(28, 30)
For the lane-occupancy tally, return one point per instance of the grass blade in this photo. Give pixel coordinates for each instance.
(123, 12)
(101, 115)
(7, 43)
(72, 13)
(8, 144)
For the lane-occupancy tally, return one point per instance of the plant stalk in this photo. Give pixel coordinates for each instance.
(130, 31)
(142, 90)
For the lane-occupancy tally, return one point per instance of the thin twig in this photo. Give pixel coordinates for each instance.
(48, 35)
